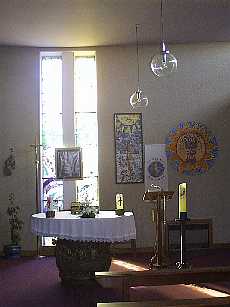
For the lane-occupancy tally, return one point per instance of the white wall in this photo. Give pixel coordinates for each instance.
(198, 91)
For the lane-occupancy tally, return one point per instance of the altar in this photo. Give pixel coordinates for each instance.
(83, 244)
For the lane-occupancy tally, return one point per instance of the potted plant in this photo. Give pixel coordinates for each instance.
(13, 250)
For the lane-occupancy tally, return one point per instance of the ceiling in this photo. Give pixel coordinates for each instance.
(81, 23)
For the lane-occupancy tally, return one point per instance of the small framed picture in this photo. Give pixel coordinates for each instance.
(68, 163)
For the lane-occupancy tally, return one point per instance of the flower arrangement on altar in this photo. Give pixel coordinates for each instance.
(88, 211)
(87, 207)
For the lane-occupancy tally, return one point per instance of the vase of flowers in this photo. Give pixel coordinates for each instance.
(88, 211)
(50, 212)
(13, 250)
(88, 207)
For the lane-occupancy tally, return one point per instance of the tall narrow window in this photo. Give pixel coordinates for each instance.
(68, 118)
(51, 126)
(86, 128)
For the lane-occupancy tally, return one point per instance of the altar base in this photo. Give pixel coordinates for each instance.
(78, 261)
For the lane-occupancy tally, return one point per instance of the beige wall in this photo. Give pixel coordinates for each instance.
(19, 89)
(198, 91)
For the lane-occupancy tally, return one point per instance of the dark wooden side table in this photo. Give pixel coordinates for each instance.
(198, 234)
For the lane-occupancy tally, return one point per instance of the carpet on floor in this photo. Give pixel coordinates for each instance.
(33, 282)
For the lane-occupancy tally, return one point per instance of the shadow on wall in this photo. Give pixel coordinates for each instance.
(212, 187)
(219, 124)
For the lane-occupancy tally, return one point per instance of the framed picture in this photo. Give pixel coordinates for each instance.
(128, 138)
(68, 163)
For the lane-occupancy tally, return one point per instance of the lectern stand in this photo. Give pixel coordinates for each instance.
(158, 198)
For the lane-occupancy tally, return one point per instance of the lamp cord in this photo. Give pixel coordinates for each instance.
(162, 23)
(138, 65)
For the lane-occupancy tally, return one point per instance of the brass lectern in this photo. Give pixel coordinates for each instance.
(159, 198)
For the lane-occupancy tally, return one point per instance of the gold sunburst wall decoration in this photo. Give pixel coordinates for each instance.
(191, 148)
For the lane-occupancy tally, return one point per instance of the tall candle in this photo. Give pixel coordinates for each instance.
(77, 193)
(182, 201)
(119, 202)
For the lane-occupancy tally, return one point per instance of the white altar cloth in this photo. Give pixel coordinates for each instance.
(105, 227)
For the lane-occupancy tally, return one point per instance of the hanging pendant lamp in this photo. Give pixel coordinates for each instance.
(138, 99)
(165, 63)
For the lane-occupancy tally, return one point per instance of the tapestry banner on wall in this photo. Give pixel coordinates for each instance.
(192, 148)
(156, 166)
(128, 148)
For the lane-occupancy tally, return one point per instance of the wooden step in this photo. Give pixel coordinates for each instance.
(202, 302)
(128, 279)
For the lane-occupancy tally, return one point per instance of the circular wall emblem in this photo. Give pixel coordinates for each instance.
(191, 148)
(156, 169)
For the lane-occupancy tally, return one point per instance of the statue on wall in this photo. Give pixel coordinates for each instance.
(9, 164)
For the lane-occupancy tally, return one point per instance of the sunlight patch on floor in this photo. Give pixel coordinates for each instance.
(132, 267)
(214, 293)
(129, 266)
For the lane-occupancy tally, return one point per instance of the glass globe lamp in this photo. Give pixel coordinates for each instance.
(138, 99)
(163, 64)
